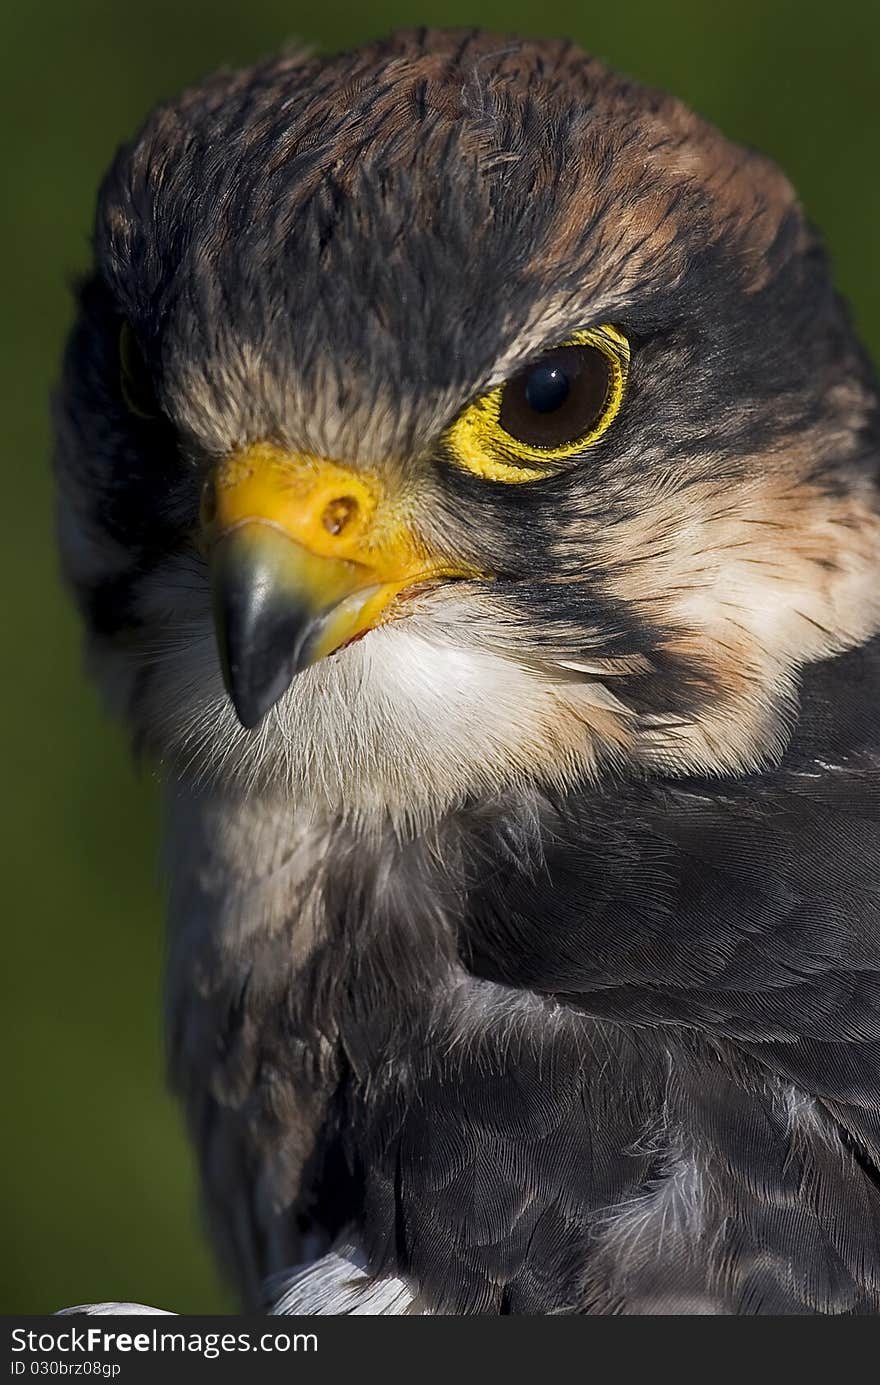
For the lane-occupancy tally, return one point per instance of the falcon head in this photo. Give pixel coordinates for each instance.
(455, 418)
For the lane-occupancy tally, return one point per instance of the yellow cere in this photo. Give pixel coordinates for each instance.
(478, 442)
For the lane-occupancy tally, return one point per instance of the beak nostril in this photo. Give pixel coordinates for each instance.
(340, 514)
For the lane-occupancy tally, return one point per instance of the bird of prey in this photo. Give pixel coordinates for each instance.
(467, 474)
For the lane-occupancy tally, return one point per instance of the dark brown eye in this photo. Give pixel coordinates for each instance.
(135, 378)
(558, 400)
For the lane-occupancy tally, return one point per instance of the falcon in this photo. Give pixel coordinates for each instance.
(467, 476)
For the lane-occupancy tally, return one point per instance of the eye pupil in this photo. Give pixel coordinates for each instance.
(547, 388)
(560, 400)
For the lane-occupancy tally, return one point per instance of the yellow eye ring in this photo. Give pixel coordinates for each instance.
(479, 442)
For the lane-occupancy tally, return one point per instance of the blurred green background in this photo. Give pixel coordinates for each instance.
(96, 1181)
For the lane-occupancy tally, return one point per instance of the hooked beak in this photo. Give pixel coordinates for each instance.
(305, 555)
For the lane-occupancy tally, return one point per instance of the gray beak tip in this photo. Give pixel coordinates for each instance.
(263, 631)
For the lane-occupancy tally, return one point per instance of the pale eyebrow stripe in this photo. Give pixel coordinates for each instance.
(552, 323)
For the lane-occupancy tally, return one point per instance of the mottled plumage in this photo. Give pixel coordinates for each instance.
(526, 958)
